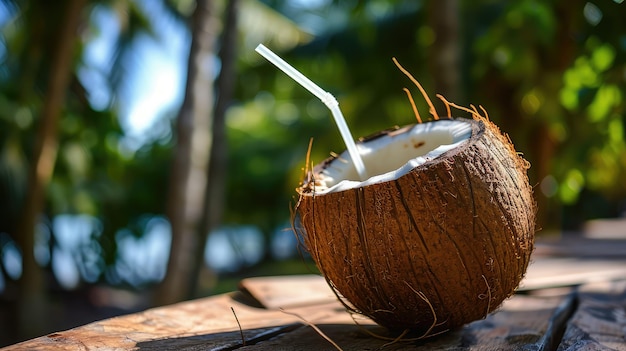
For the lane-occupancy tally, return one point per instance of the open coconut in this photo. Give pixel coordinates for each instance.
(437, 237)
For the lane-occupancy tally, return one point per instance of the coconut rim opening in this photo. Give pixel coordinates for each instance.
(392, 154)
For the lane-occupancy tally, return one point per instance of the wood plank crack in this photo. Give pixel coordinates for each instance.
(557, 324)
(264, 336)
(218, 342)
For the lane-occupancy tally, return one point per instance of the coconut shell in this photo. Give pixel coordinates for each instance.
(434, 249)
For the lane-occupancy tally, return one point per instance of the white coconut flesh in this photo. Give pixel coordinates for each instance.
(394, 154)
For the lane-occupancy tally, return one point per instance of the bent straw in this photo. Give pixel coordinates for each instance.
(327, 98)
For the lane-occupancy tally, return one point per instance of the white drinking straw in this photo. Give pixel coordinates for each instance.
(327, 98)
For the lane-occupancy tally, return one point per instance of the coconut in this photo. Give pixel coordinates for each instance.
(438, 235)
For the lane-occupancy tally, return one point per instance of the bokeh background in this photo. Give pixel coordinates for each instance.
(148, 155)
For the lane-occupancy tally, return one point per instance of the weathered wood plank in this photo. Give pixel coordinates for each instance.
(544, 272)
(209, 320)
(578, 258)
(288, 291)
(599, 323)
(519, 323)
(529, 322)
(573, 245)
(209, 324)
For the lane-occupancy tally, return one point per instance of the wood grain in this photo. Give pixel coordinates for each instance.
(288, 291)
(520, 322)
(599, 322)
(209, 324)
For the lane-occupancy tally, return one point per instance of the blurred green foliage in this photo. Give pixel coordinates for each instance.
(562, 66)
(95, 173)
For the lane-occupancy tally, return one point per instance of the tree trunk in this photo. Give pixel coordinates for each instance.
(443, 55)
(32, 304)
(218, 163)
(191, 157)
(543, 145)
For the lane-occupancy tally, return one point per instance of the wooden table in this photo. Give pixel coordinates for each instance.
(573, 298)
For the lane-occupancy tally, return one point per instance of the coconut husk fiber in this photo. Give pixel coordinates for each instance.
(436, 248)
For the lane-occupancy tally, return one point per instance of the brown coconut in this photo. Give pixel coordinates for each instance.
(431, 247)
